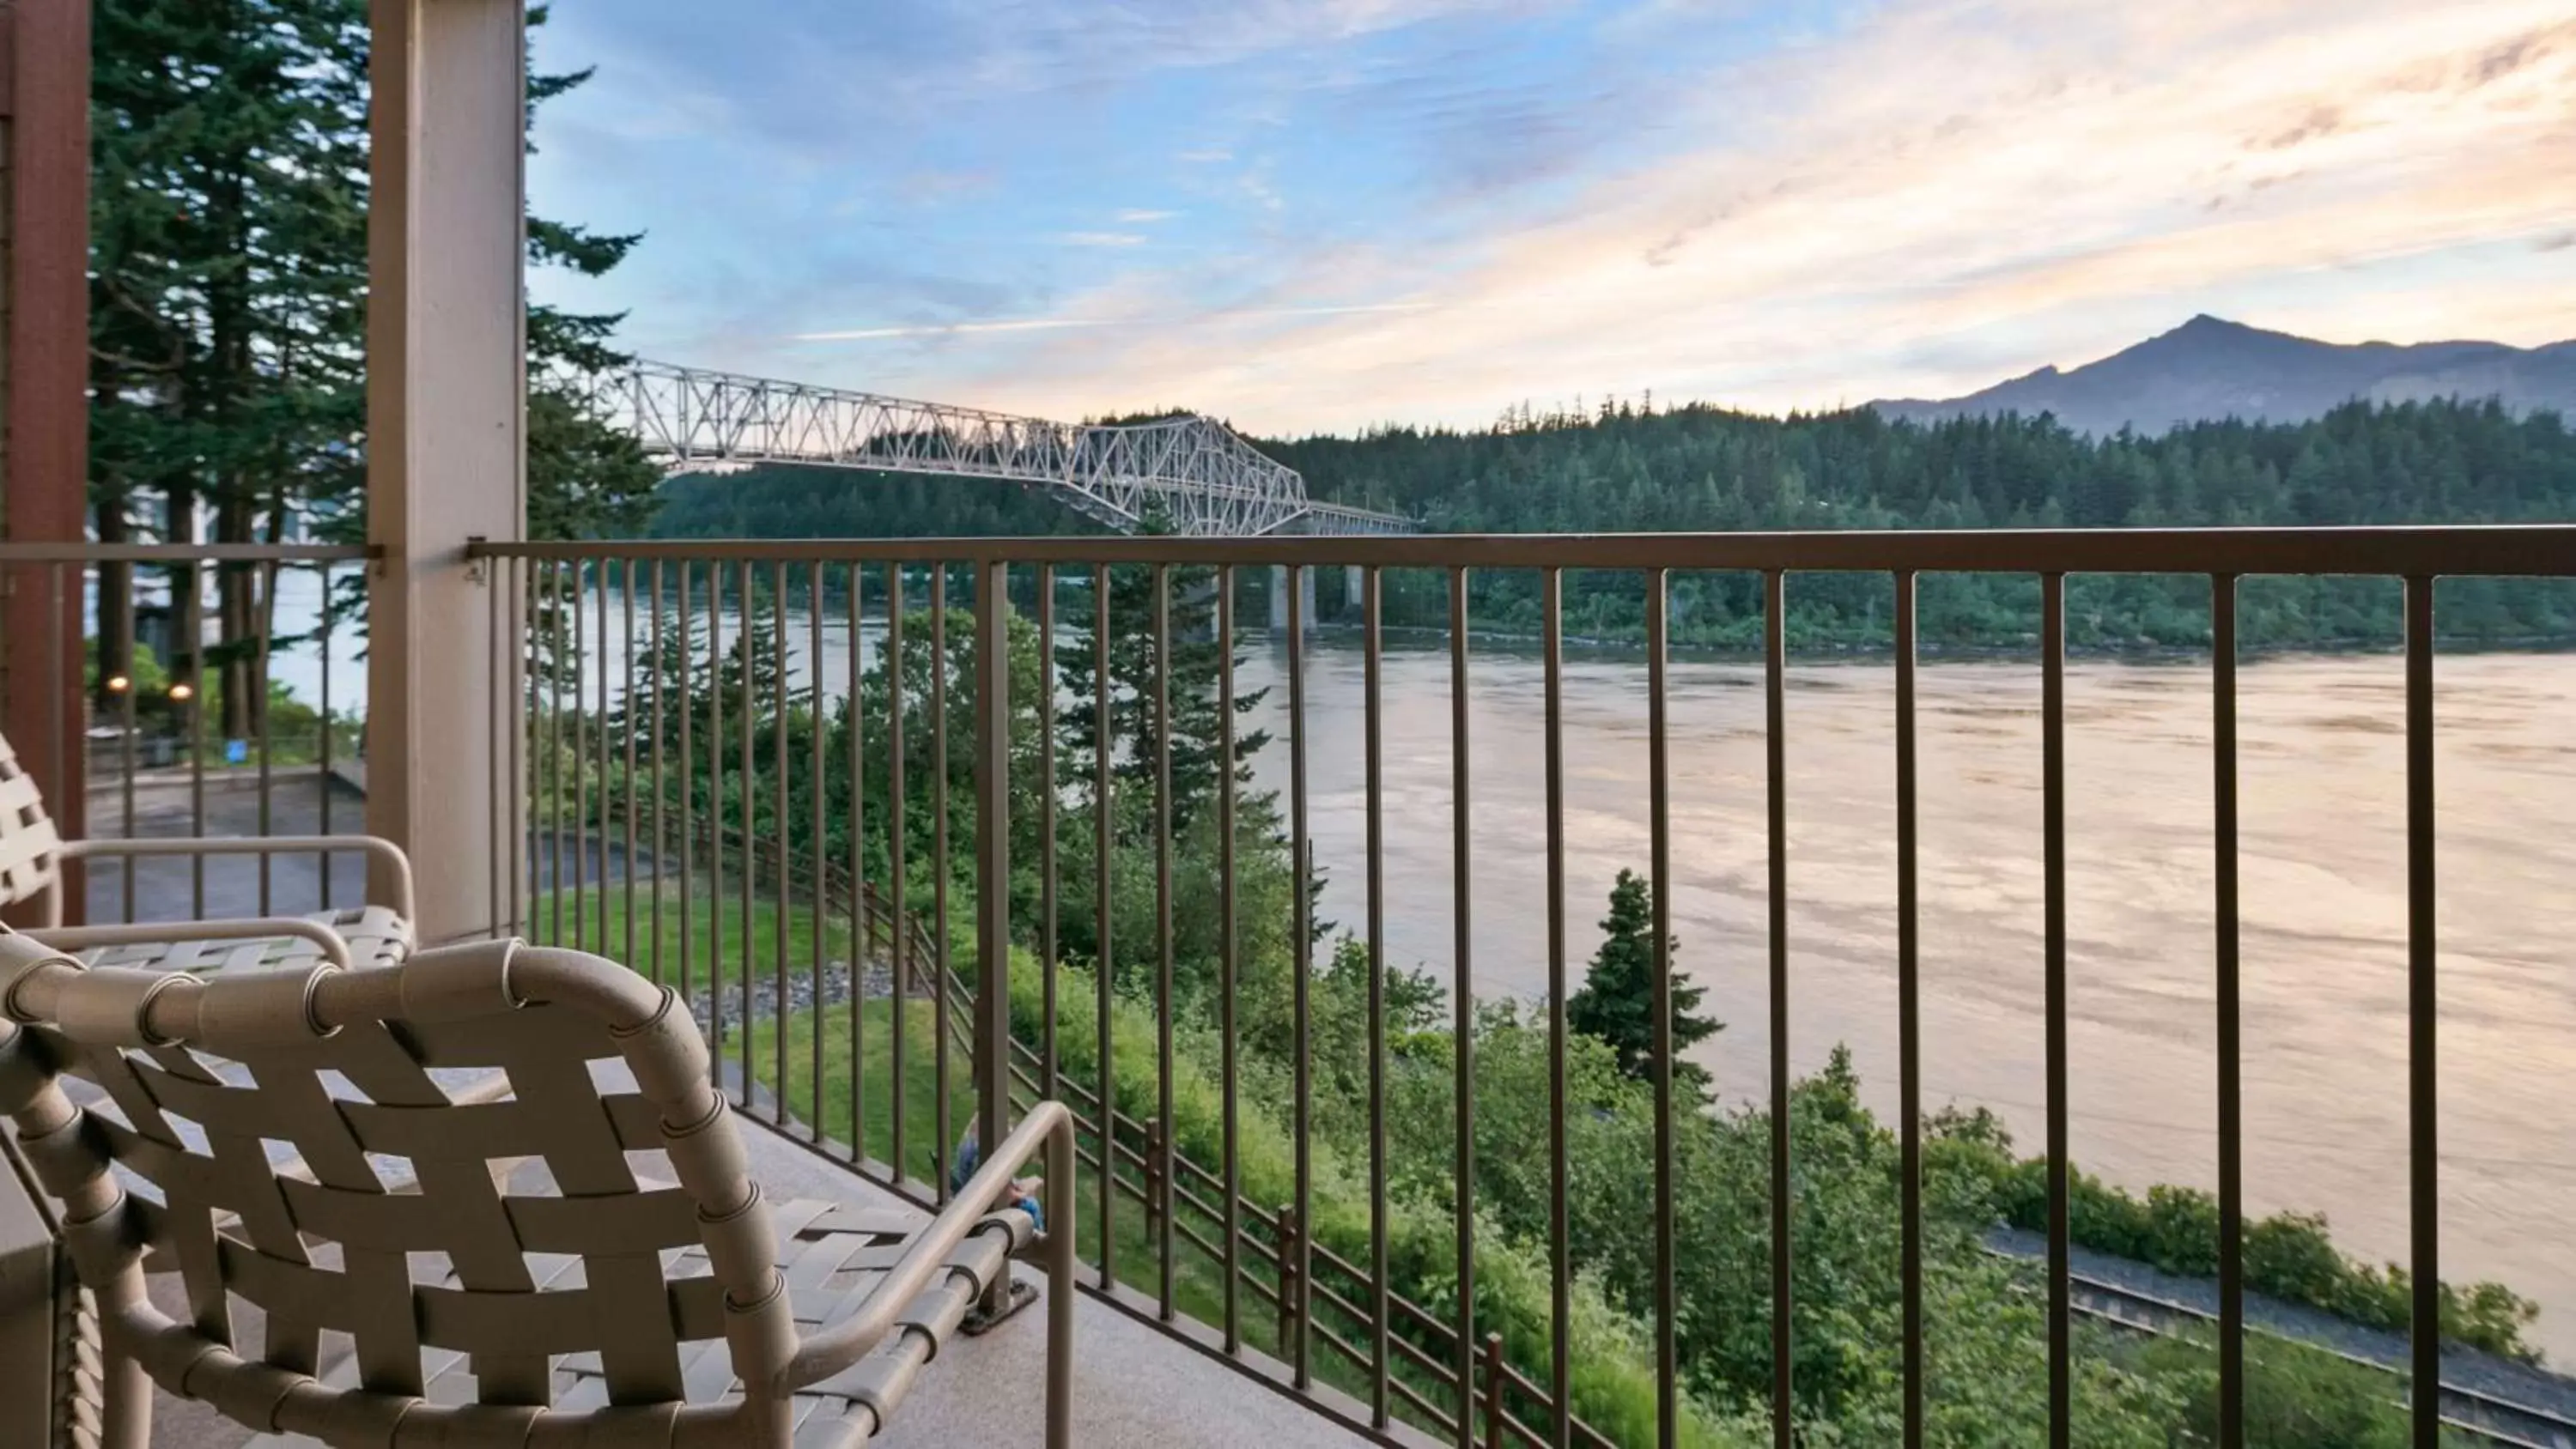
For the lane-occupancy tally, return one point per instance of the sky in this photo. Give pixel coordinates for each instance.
(1327, 215)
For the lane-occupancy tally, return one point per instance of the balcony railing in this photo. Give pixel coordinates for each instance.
(700, 767)
(1281, 1303)
(223, 693)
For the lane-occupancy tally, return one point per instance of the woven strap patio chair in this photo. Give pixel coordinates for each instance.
(526, 1282)
(32, 854)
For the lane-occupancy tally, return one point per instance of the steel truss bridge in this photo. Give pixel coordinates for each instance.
(1190, 473)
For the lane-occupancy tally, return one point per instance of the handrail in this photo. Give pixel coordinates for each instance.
(2498, 550)
(86, 552)
(1320, 1292)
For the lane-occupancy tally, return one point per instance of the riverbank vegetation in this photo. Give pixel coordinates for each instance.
(1623, 469)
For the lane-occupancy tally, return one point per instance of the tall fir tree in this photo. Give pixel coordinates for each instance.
(1617, 1000)
(228, 294)
(1196, 726)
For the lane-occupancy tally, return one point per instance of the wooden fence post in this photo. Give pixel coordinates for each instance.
(1288, 1280)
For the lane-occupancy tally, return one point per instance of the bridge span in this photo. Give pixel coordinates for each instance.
(1196, 474)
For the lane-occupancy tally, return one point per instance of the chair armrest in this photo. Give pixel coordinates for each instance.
(853, 1338)
(149, 933)
(396, 863)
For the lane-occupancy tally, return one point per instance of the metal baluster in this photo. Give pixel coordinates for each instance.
(1909, 1015)
(1659, 833)
(1046, 828)
(555, 747)
(1227, 965)
(688, 833)
(778, 833)
(322, 754)
(2052, 708)
(747, 798)
(523, 860)
(580, 667)
(1163, 1003)
(126, 728)
(1295, 1266)
(263, 609)
(900, 811)
(1775, 651)
(1103, 799)
(600, 731)
(193, 633)
(1560, 1256)
(1463, 1010)
(2231, 1098)
(992, 1025)
(1372, 605)
(859, 883)
(940, 978)
(661, 785)
(820, 895)
(626, 652)
(2423, 1011)
(715, 813)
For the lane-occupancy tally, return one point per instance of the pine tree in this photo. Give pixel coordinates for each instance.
(1197, 715)
(1616, 1003)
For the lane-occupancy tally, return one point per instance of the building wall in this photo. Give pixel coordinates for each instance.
(44, 408)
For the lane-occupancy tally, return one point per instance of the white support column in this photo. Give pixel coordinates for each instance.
(1279, 599)
(446, 402)
(1352, 585)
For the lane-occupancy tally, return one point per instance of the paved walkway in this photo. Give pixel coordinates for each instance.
(2463, 1368)
(165, 803)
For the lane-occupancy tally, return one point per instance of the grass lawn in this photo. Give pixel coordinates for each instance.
(572, 918)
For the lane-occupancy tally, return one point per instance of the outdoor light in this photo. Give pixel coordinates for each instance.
(183, 692)
(117, 683)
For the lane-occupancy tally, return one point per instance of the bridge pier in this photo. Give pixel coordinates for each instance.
(1279, 599)
(1352, 591)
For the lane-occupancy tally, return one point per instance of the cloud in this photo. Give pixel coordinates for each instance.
(1053, 324)
(2022, 181)
(956, 329)
(1425, 209)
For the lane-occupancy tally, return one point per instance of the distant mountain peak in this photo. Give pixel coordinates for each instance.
(2211, 368)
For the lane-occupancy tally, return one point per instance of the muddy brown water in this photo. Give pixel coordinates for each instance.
(2323, 862)
(2324, 916)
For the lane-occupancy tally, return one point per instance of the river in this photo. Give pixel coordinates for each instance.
(2322, 774)
(2323, 860)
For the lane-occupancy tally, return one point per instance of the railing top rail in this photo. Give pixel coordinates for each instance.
(85, 551)
(2544, 550)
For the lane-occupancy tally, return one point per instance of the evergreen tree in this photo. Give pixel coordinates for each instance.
(1617, 1001)
(1197, 714)
(228, 294)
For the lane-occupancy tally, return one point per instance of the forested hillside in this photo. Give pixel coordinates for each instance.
(1624, 469)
